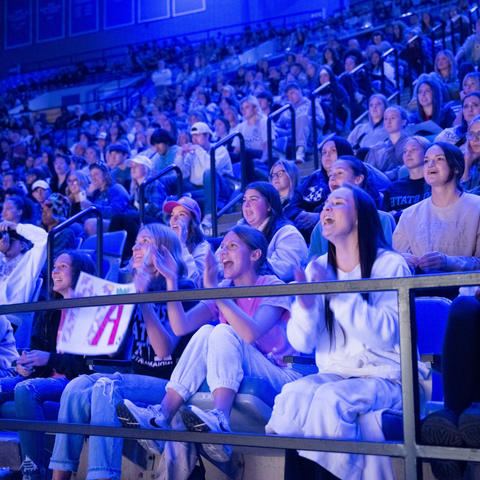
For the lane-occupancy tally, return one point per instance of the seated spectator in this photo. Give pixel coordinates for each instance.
(155, 352)
(250, 340)
(92, 155)
(77, 186)
(161, 77)
(59, 179)
(342, 101)
(429, 105)
(54, 212)
(470, 84)
(263, 211)
(165, 150)
(470, 50)
(77, 163)
(185, 218)
(118, 155)
(471, 176)
(374, 66)
(372, 132)
(428, 233)
(348, 169)
(410, 190)
(457, 135)
(284, 176)
(110, 198)
(20, 265)
(17, 209)
(265, 99)
(388, 156)
(303, 120)
(330, 59)
(32, 175)
(355, 340)
(12, 180)
(194, 161)
(42, 372)
(41, 191)
(446, 67)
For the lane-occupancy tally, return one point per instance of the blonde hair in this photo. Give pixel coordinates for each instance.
(83, 182)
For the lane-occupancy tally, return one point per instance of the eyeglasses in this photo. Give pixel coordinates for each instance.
(72, 182)
(473, 136)
(279, 174)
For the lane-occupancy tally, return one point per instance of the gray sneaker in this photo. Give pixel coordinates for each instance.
(197, 420)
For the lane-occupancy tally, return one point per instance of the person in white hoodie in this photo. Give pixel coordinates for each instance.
(356, 339)
(19, 271)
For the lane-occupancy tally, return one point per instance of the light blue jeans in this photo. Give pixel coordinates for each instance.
(92, 399)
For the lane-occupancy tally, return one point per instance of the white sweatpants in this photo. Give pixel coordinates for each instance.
(330, 406)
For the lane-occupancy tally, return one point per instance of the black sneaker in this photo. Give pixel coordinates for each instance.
(469, 426)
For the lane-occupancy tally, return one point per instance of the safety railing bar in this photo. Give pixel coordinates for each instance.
(270, 119)
(361, 117)
(313, 288)
(141, 193)
(313, 95)
(357, 68)
(230, 204)
(254, 440)
(409, 372)
(62, 226)
(393, 95)
(388, 52)
(360, 67)
(213, 174)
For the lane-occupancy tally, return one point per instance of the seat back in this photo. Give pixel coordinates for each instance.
(113, 243)
(431, 317)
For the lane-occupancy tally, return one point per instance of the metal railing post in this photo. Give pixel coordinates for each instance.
(313, 97)
(141, 190)
(409, 43)
(62, 226)
(362, 66)
(213, 174)
(270, 118)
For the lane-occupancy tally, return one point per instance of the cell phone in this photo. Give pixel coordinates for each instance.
(83, 195)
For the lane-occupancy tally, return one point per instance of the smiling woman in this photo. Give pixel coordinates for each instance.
(355, 338)
(441, 233)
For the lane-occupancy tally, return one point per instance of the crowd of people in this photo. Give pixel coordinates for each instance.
(395, 196)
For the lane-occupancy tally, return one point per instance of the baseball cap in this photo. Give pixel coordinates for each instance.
(102, 136)
(40, 184)
(141, 160)
(200, 127)
(186, 202)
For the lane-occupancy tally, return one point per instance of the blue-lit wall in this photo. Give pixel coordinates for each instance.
(217, 14)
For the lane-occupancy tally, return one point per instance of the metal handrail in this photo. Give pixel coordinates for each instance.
(213, 174)
(409, 450)
(270, 118)
(141, 190)
(432, 38)
(389, 99)
(470, 12)
(230, 204)
(453, 22)
(362, 66)
(413, 39)
(397, 73)
(89, 211)
(313, 95)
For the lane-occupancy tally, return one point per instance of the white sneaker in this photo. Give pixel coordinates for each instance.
(132, 416)
(197, 420)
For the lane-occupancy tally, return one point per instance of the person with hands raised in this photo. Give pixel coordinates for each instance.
(441, 233)
(155, 351)
(355, 338)
(235, 338)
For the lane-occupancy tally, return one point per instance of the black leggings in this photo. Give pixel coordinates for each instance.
(461, 355)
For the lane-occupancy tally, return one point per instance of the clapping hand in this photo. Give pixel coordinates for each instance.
(210, 274)
(319, 274)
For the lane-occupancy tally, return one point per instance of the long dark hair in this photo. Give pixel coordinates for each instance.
(370, 239)
(195, 234)
(254, 240)
(81, 262)
(24, 204)
(277, 218)
(437, 101)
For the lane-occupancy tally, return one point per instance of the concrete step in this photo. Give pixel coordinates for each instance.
(230, 218)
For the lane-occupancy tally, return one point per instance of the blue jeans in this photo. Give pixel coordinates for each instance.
(92, 399)
(29, 396)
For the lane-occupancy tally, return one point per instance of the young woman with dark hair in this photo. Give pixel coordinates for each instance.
(443, 231)
(42, 372)
(355, 338)
(348, 169)
(155, 351)
(262, 210)
(249, 340)
(341, 96)
(17, 209)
